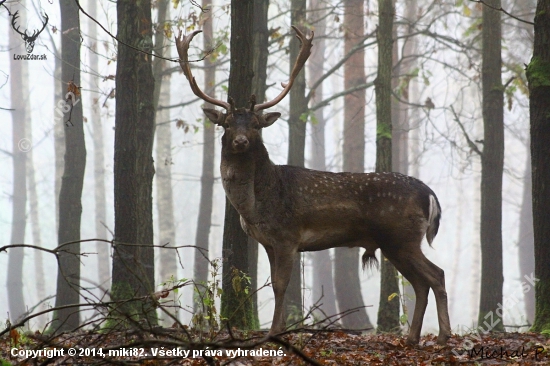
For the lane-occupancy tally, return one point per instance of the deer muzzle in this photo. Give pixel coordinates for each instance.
(240, 143)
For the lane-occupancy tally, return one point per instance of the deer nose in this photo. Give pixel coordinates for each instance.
(240, 142)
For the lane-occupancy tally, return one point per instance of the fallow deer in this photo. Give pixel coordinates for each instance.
(291, 209)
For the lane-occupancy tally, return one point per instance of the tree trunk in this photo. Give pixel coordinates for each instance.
(538, 75)
(323, 285)
(133, 266)
(35, 219)
(492, 162)
(398, 113)
(204, 222)
(261, 47)
(102, 248)
(296, 150)
(408, 66)
(346, 266)
(161, 96)
(20, 146)
(526, 250)
(33, 200)
(70, 206)
(236, 306)
(388, 311)
(59, 138)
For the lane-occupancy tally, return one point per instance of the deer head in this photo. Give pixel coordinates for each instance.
(242, 126)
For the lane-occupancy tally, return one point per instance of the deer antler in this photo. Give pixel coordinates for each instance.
(15, 27)
(305, 51)
(182, 45)
(28, 38)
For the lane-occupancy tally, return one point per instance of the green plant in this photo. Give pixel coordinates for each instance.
(205, 295)
(404, 318)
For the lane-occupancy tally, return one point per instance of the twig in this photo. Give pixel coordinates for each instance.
(508, 82)
(471, 144)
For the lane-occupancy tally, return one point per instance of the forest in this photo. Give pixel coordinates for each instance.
(155, 208)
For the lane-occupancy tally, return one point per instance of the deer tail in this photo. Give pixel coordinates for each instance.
(369, 260)
(434, 216)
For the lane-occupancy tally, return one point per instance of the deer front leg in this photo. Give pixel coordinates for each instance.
(281, 262)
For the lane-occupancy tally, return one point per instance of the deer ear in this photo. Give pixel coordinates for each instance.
(215, 116)
(269, 118)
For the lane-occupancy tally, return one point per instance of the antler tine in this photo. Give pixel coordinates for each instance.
(252, 102)
(182, 45)
(305, 51)
(231, 105)
(14, 18)
(45, 23)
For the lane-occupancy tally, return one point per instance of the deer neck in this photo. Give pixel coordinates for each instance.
(246, 179)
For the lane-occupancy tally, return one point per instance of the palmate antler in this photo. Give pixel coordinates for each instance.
(305, 51)
(29, 39)
(182, 45)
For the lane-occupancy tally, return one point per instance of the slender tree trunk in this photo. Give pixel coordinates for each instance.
(204, 222)
(261, 45)
(399, 154)
(323, 285)
(538, 75)
(526, 248)
(33, 203)
(475, 261)
(35, 221)
(165, 206)
(409, 64)
(492, 162)
(70, 206)
(457, 260)
(59, 139)
(133, 266)
(296, 149)
(399, 133)
(20, 145)
(237, 307)
(388, 311)
(346, 266)
(103, 249)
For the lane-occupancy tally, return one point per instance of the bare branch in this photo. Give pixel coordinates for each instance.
(471, 144)
(341, 94)
(356, 48)
(504, 11)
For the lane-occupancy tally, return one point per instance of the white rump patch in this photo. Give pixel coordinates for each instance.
(434, 211)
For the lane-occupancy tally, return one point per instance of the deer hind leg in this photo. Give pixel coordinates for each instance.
(407, 267)
(438, 287)
(281, 268)
(423, 275)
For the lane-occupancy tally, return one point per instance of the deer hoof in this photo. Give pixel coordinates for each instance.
(442, 339)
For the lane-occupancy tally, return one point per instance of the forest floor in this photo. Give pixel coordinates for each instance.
(170, 346)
